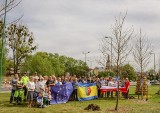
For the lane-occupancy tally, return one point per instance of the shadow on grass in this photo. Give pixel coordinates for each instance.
(7, 104)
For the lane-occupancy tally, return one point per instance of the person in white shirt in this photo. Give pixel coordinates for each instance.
(111, 84)
(31, 88)
(41, 84)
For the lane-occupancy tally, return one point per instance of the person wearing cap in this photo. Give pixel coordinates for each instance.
(25, 81)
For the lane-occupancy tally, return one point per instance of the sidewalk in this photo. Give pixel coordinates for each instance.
(5, 88)
(5, 91)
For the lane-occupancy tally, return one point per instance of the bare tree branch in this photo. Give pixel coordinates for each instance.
(142, 52)
(10, 5)
(15, 21)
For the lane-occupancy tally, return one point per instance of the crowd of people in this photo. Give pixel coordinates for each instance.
(35, 89)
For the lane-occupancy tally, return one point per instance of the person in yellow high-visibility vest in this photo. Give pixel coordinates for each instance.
(25, 81)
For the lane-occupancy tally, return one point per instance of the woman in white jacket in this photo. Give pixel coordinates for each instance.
(31, 88)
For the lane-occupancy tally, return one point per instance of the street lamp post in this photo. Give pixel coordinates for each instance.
(154, 66)
(2, 42)
(111, 50)
(85, 55)
(91, 61)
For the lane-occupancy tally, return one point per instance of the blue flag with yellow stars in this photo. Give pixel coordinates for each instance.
(87, 91)
(61, 93)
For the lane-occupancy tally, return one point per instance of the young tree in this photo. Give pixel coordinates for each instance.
(142, 52)
(21, 42)
(121, 45)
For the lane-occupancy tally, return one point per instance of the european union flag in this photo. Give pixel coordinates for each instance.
(61, 93)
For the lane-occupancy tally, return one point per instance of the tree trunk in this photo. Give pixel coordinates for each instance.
(14, 61)
(117, 97)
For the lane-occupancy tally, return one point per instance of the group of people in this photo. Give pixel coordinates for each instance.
(32, 89)
(36, 88)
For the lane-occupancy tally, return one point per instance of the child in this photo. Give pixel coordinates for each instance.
(40, 100)
(46, 97)
(59, 81)
(49, 97)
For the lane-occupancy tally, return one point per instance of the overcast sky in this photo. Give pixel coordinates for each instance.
(70, 27)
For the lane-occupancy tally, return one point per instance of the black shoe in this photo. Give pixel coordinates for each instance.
(19, 104)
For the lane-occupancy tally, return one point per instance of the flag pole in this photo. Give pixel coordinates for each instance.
(2, 46)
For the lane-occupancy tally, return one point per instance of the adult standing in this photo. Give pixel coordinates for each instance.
(75, 85)
(98, 84)
(14, 84)
(19, 90)
(37, 88)
(31, 88)
(45, 79)
(127, 85)
(50, 82)
(25, 81)
(41, 85)
(111, 84)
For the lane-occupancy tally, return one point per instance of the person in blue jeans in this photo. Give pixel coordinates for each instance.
(14, 85)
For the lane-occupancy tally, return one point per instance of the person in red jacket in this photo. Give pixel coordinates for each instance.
(127, 85)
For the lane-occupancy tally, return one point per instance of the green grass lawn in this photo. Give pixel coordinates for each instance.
(106, 105)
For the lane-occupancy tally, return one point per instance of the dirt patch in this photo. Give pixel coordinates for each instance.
(93, 107)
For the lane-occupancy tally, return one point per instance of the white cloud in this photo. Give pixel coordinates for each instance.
(70, 27)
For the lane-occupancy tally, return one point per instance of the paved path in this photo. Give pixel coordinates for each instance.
(5, 88)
